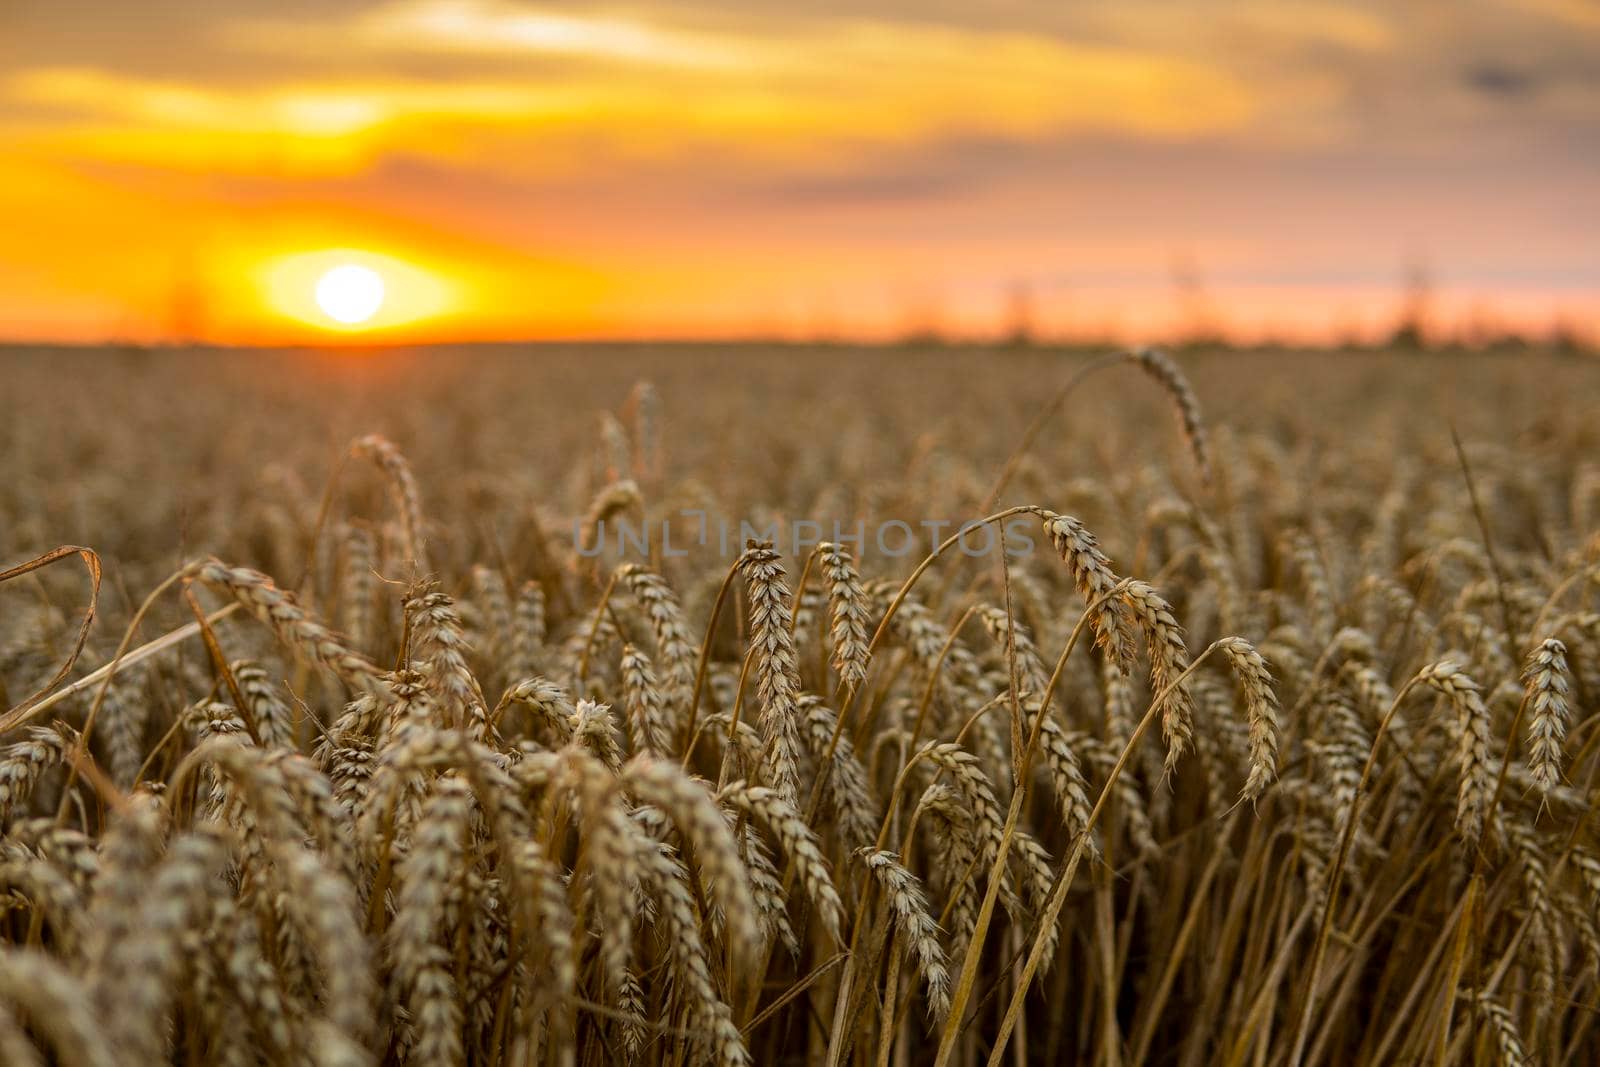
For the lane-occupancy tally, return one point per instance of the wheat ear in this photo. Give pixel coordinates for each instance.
(1169, 659)
(1261, 707)
(849, 610)
(403, 487)
(777, 668)
(1547, 684)
(914, 924)
(295, 626)
(1091, 572)
(1160, 366)
(1472, 744)
(785, 823)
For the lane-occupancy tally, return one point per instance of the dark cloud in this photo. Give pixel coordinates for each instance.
(1493, 80)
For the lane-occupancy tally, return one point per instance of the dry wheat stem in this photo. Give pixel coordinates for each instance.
(1058, 895)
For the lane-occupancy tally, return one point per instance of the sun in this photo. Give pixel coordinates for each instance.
(350, 294)
(353, 294)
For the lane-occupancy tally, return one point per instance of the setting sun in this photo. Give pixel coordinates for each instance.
(351, 294)
(350, 289)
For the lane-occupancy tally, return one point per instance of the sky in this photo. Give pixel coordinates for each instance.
(1138, 169)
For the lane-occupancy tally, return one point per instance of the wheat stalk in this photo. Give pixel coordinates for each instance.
(1261, 704)
(1472, 744)
(1160, 366)
(295, 626)
(649, 728)
(403, 487)
(847, 603)
(777, 668)
(1091, 570)
(1169, 661)
(528, 636)
(1547, 680)
(914, 924)
(676, 648)
(783, 821)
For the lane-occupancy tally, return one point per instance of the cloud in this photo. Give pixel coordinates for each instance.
(477, 28)
(635, 89)
(1493, 80)
(685, 155)
(1582, 14)
(535, 87)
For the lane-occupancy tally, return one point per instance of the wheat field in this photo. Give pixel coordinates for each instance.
(698, 705)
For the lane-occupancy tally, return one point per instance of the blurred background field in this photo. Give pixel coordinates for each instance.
(157, 456)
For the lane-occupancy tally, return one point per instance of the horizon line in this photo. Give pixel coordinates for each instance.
(1499, 344)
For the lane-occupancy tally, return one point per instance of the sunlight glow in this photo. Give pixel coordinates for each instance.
(350, 294)
(352, 290)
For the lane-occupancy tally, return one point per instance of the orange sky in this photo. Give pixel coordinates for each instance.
(188, 168)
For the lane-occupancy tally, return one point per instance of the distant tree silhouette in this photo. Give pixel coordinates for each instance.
(1567, 337)
(924, 326)
(187, 310)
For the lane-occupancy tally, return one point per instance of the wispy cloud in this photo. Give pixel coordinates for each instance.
(707, 157)
(765, 90)
(477, 28)
(1583, 14)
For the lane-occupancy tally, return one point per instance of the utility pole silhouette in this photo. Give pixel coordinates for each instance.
(1197, 318)
(1411, 330)
(1020, 331)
